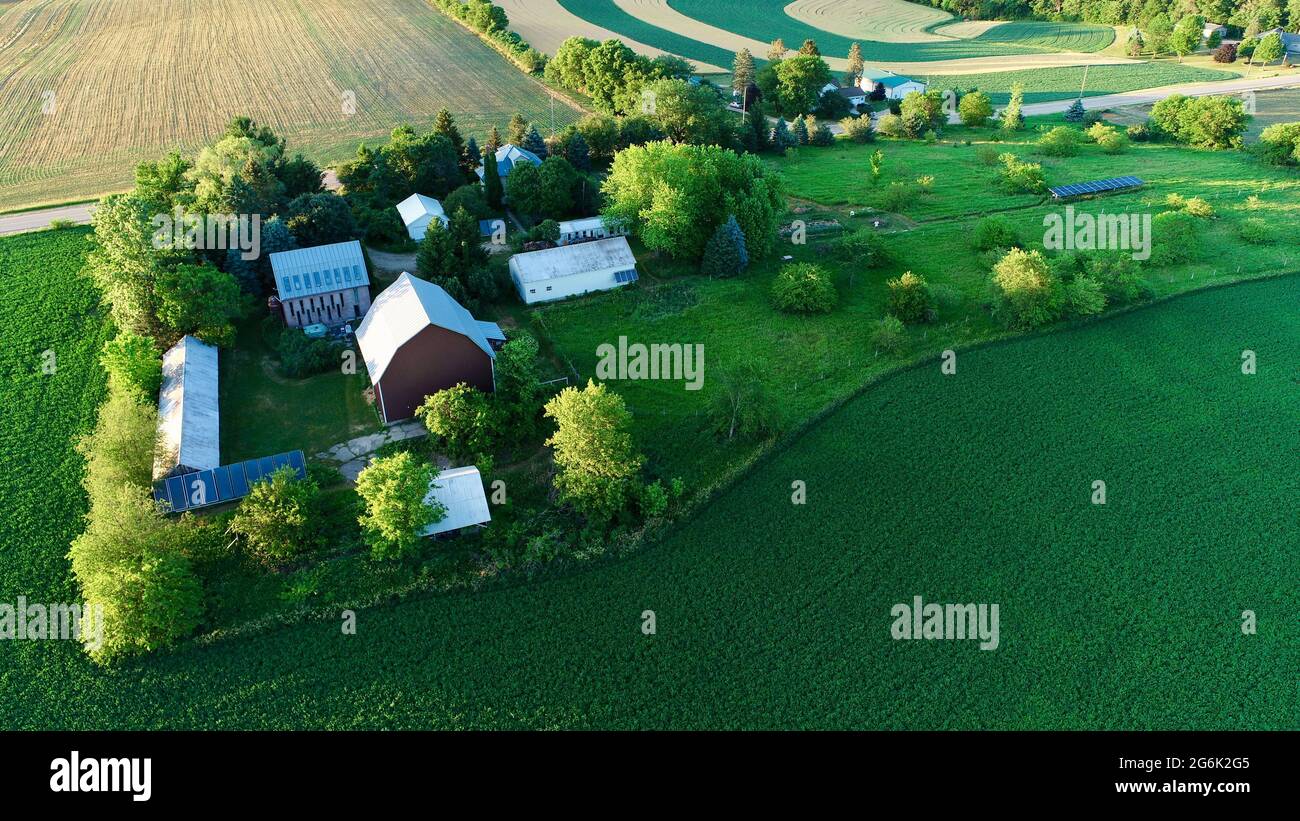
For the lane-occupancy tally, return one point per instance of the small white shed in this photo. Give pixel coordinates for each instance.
(460, 490)
(572, 231)
(417, 212)
(570, 270)
(189, 430)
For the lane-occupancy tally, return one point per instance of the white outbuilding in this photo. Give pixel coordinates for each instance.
(582, 230)
(189, 433)
(570, 270)
(417, 212)
(460, 491)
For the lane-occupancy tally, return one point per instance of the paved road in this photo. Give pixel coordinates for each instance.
(1153, 95)
(35, 220)
(80, 214)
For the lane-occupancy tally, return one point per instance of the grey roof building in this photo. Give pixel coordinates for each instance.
(189, 429)
(508, 156)
(325, 284)
(570, 270)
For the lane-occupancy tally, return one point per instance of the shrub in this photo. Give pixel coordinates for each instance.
(987, 154)
(1198, 207)
(277, 521)
(1176, 238)
(1020, 176)
(1084, 297)
(804, 288)
(995, 232)
(1025, 292)
(1226, 53)
(909, 298)
(1279, 144)
(1203, 122)
(1112, 141)
(301, 356)
(459, 420)
(1119, 276)
(134, 365)
(1092, 118)
(925, 183)
(1139, 133)
(863, 249)
(889, 335)
(1255, 231)
(1061, 141)
(742, 406)
(946, 298)
(891, 125)
(858, 129)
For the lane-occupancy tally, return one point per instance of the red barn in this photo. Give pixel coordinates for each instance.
(417, 340)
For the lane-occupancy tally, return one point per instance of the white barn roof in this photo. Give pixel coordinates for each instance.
(406, 308)
(322, 269)
(571, 260)
(188, 414)
(460, 490)
(418, 207)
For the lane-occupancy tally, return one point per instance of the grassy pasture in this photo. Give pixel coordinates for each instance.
(777, 615)
(87, 89)
(1057, 83)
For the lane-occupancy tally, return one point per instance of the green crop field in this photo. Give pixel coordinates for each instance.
(772, 614)
(1085, 37)
(88, 89)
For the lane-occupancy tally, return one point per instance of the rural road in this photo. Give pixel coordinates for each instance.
(80, 214)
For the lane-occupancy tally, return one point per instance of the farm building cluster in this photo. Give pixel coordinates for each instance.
(414, 337)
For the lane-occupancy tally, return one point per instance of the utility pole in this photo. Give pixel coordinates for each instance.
(1085, 81)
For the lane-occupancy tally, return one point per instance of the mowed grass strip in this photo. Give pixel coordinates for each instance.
(1064, 82)
(88, 89)
(969, 488)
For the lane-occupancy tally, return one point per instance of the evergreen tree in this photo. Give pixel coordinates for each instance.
(471, 158)
(1074, 114)
(780, 137)
(492, 181)
(577, 153)
(855, 65)
(799, 133)
(533, 142)
(742, 71)
(518, 129)
(809, 48)
(493, 140)
(436, 258)
(445, 125)
(777, 51)
(725, 255)
(1012, 119)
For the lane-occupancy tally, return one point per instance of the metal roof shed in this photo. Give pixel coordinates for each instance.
(460, 490)
(417, 212)
(188, 409)
(570, 270)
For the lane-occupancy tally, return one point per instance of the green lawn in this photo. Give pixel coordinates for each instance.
(263, 412)
(776, 615)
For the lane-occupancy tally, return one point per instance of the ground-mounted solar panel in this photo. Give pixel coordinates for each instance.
(223, 484)
(1095, 187)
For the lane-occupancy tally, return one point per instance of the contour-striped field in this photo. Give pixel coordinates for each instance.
(886, 21)
(90, 87)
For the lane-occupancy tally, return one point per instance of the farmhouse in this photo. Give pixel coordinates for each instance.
(188, 417)
(460, 490)
(582, 230)
(416, 340)
(1290, 42)
(417, 212)
(327, 284)
(1212, 29)
(508, 156)
(855, 95)
(569, 270)
(896, 87)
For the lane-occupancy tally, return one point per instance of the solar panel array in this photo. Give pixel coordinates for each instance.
(625, 276)
(205, 488)
(1080, 189)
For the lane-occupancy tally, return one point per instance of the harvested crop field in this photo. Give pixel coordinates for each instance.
(772, 614)
(88, 88)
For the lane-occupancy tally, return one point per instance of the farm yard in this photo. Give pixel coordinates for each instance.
(1103, 624)
(917, 384)
(88, 89)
